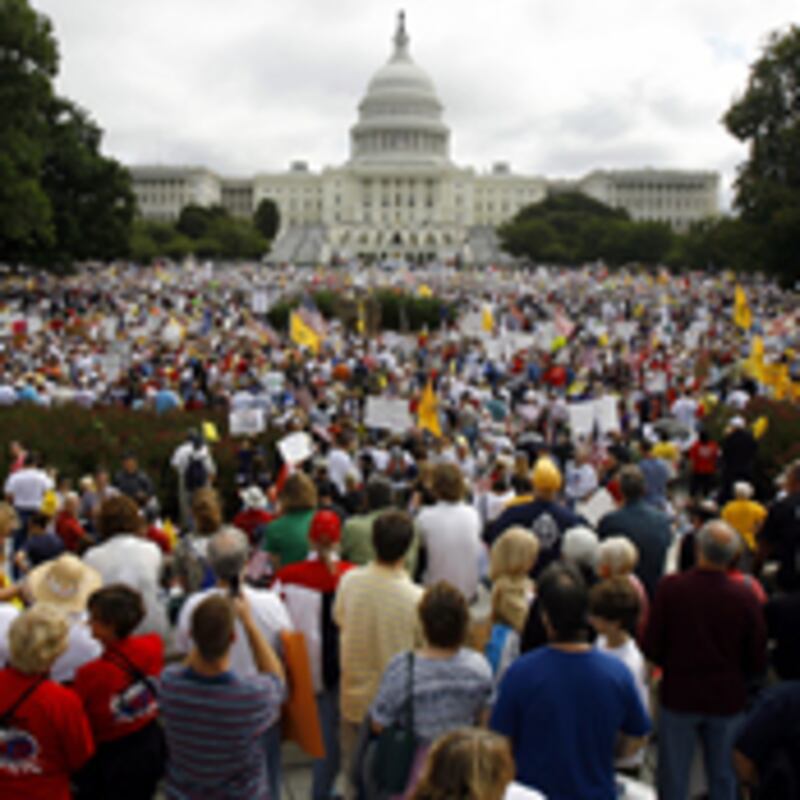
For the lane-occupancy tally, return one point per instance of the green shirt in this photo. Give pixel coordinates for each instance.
(356, 544)
(287, 536)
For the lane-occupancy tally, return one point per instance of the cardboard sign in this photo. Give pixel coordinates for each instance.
(246, 422)
(296, 447)
(389, 414)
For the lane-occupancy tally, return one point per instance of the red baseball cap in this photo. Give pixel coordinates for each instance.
(326, 527)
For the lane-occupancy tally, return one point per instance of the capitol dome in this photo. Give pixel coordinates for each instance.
(400, 117)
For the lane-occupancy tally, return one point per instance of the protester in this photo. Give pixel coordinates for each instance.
(286, 537)
(646, 527)
(205, 697)
(542, 514)
(707, 633)
(512, 559)
(309, 587)
(124, 556)
(470, 764)
(450, 526)
(376, 611)
(66, 583)
(592, 695)
(47, 737)
(195, 469)
(120, 697)
(227, 558)
(450, 684)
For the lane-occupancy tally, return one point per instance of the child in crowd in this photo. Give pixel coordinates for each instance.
(614, 608)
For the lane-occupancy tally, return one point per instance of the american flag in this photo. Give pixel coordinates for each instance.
(564, 325)
(309, 313)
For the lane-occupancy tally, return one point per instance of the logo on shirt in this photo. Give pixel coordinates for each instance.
(135, 702)
(546, 530)
(18, 752)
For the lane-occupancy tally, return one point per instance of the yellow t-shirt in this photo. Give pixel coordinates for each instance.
(667, 450)
(376, 611)
(747, 517)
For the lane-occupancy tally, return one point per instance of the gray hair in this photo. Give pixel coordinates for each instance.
(617, 553)
(718, 543)
(580, 546)
(743, 490)
(228, 550)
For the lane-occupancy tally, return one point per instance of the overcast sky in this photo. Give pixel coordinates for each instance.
(556, 87)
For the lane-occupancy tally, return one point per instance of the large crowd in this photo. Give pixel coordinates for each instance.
(534, 552)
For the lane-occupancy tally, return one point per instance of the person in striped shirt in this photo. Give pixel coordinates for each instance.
(214, 719)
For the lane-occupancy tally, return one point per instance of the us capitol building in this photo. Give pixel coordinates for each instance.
(399, 196)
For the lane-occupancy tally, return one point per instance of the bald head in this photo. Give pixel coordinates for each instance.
(718, 545)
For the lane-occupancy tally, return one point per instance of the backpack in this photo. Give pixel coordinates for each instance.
(195, 476)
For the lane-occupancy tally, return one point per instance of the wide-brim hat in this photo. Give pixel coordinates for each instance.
(65, 582)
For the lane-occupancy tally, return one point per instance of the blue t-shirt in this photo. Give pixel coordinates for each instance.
(563, 712)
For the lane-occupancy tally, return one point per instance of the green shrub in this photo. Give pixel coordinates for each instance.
(76, 441)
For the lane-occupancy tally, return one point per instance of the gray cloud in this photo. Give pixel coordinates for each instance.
(557, 87)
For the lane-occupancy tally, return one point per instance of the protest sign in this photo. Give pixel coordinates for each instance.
(246, 422)
(296, 447)
(386, 413)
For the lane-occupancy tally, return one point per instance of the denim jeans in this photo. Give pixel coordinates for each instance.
(677, 733)
(272, 749)
(326, 769)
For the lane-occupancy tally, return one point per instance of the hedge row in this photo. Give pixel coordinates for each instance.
(76, 441)
(384, 309)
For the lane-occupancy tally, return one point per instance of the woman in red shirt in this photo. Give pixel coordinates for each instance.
(119, 694)
(44, 734)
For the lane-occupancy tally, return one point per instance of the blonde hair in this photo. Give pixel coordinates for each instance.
(514, 553)
(466, 764)
(37, 637)
(9, 520)
(616, 556)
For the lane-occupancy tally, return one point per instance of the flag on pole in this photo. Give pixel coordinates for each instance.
(361, 324)
(427, 413)
(742, 317)
(303, 335)
(487, 319)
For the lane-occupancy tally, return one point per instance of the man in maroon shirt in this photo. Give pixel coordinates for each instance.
(707, 633)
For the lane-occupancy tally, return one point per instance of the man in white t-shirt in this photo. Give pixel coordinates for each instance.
(450, 534)
(25, 490)
(227, 556)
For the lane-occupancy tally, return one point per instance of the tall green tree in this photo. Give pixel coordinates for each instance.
(572, 228)
(61, 200)
(28, 64)
(267, 218)
(767, 118)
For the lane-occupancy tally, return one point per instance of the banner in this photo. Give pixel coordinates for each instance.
(247, 422)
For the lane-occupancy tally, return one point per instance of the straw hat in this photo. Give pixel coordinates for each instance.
(65, 582)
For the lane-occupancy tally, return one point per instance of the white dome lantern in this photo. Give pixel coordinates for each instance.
(400, 117)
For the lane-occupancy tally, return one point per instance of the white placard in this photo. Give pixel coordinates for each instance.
(260, 302)
(246, 422)
(581, 419)
(388, 413)
(607, 414)
(596, 507)
(296, 447)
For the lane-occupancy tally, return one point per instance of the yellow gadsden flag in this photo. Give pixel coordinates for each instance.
(741, 309)
(487, 319)
(427, 413)
(303, 335)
